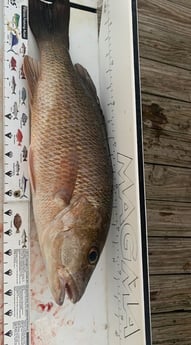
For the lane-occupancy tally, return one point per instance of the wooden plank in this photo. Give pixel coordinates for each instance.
(167, 183)
(168, 219)
(170, 293)
(164, 32)
(169, 148)
(173, 11)
(169, 255)
(171, 329)
(166, 114)
(165, 80)
(185, 3)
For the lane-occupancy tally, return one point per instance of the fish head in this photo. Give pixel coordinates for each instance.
(73, 247)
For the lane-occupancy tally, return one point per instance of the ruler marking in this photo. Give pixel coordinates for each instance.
(16, 137)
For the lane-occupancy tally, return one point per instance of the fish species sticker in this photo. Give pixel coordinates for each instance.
(17, 193)
(24, 239)
(25, 153)
(19, 137)
(13, 41)
(12, 27)
(23, 95)
(13, 64)
(21, 73)
(23, 49)
(15, 21)
(17, 168)
(13, 85)
(24, 186)
(24, 119)
(17, 221)
(15, 111)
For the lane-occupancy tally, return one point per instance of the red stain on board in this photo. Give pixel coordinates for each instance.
(45, 307)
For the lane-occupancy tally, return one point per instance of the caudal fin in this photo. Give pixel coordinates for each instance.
(49, 20)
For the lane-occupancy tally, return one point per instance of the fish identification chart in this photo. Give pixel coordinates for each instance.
(115, 307)
(16, 234)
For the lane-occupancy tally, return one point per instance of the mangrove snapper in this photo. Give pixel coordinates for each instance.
(69, 160)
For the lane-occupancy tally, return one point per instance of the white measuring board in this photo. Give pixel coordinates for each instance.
(16, 257)
(127, 276)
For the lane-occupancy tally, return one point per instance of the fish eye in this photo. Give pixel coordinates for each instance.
(93, 256)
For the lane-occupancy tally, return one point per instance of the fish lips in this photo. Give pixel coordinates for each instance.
(67, 287)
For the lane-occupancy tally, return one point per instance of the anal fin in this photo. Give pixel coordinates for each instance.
(32, 72)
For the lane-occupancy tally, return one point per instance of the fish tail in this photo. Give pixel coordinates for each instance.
(49, 20)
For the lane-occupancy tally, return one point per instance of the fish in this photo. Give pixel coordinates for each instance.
(13, 41)
(69, 160)
(13, 64)
(17, 221)
(24, 239)
(25, 153)
(23, 95)
(24, 187)
(23, 50)
(15, 111)
(17, 168)
(24, 119)
(15, 20)
(19, 137)
(13, 85)
(22, 75)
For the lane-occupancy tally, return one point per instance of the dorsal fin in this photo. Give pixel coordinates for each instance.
(32, 72)
(86, 81)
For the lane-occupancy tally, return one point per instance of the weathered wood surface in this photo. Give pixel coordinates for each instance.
(171, 328)
(185, 3)
(165, 50)
(168, 255)
(166, 114)
(168, 219)
(164, 80)
(167, 183)
(167, 148)
(165, 32)
(170, 293)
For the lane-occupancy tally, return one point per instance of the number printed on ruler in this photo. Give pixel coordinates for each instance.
(16, 110)
(16, 273)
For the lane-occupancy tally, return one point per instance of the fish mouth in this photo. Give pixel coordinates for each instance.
(67, 287)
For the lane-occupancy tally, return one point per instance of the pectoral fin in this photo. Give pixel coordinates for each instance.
(63, 196)
(32, 72)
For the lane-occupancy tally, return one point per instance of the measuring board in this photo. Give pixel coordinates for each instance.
(127, 275)
(16, 255)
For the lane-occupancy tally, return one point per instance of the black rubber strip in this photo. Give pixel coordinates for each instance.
(83, 8)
